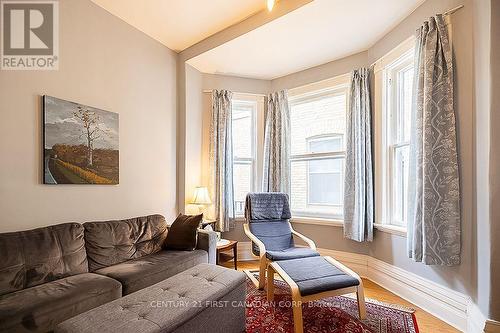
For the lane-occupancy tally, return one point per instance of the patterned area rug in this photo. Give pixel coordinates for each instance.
(330, 315)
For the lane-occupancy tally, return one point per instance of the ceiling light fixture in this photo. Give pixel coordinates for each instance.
(270, 4)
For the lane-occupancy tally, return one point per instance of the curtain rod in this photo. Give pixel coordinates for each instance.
(208, 91)
(451, 11)
(448, 12)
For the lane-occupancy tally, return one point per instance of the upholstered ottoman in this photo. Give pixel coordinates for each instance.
(205, 298)
(314, 278)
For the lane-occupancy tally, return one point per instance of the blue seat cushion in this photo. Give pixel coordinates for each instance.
(315, 275)
(291, 253)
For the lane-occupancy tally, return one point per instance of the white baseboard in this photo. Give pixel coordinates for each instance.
(356, 262)
(476, 320)
(452, 307)
(442, 302)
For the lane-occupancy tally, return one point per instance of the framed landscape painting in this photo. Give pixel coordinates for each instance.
(80, 144)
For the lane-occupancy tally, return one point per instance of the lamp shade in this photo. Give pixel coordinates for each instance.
(201, 196)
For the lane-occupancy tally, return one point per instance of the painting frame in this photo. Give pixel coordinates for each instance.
(80, 143)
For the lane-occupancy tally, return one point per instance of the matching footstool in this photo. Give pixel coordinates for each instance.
(315, 278)
(205, 298)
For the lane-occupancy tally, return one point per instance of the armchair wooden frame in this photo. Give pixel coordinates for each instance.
(297, 299)
(263, 260)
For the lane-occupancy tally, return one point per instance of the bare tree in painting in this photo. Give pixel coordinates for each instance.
(91, 130)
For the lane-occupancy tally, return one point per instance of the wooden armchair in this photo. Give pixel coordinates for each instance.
(268, 226)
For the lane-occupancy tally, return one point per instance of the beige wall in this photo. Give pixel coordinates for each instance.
(321, 72)
(105, 63)
(481, 232)
(194, 126)
(494, 174)
(236, 84)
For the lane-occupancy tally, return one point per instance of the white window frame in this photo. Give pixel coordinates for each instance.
(385, 146)
(331, 87)
(257, 103)
(393, 109)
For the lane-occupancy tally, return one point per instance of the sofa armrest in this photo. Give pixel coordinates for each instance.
(207, 240)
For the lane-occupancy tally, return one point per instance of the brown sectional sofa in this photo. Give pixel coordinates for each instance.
(50, 274)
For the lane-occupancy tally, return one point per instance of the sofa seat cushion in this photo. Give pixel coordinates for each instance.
(41, 308)
(291, 253)
(140, 273)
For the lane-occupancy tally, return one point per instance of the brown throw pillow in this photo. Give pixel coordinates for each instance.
(182, 234)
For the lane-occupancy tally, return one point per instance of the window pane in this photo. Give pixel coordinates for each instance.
(400, 184)
(243, 150)
(242, 129)
(242, 180)
(326, 166)
(326, 144)
(315, 117)
(317, 187)
(399, 110)
(405, 83)
(325, 189)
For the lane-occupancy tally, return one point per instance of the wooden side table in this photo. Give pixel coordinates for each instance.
(223, 255)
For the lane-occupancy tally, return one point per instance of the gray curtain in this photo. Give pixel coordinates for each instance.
(221, 160)
(277, 144)
(358, 186)
(434, 194)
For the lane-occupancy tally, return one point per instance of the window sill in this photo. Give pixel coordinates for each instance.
(387, 228)
(391, 229)
(318, 221)
(307, 220)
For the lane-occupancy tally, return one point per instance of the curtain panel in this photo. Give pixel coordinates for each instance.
(276, 175)
(358, 186)
(434, 194)
(221, 160)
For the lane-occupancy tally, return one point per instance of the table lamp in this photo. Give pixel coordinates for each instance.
(201, 198)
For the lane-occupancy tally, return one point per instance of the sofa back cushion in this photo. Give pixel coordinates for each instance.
(32, 257)
(112, 242)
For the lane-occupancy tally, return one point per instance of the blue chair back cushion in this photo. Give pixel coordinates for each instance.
(267, 206)
(275, 234)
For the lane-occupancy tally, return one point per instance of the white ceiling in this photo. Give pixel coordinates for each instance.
(319, 32)
(179, 24)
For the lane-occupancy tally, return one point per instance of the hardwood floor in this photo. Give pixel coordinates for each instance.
(427, 323)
